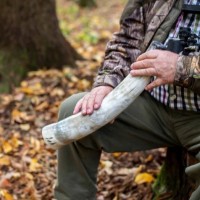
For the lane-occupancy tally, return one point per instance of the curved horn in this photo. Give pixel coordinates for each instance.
(78, 126)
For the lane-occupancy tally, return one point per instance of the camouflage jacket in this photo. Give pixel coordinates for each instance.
(143, 21)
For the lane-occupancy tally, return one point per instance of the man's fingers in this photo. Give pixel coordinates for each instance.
(152, 54)
(154, 84)
(92, 100)
(84, 104)
(90, 103)
(144, 72)
(143, 64)
(78, 106)
(98, 100)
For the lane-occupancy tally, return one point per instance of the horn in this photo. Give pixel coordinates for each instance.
(78, 126)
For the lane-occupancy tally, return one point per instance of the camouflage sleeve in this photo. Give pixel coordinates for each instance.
(188, 71)
(122, 50)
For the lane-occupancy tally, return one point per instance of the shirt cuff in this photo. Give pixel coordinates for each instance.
(184, 74)
(107, 80)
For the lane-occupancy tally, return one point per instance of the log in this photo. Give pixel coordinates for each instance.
(78, 126)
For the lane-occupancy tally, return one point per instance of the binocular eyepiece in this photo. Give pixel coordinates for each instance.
(186, 42)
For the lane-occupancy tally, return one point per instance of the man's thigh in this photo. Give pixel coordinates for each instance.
(143, 125)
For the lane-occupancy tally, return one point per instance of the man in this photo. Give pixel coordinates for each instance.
(166, 114)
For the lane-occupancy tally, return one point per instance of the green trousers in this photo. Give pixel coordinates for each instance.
(145, 124)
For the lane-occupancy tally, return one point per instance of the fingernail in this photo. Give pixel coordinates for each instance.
(96, 106)
(83, 112)
(88, 111)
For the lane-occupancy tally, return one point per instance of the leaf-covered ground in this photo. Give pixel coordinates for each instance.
(27, 166)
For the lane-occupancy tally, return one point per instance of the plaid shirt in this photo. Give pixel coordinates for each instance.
(173, 96)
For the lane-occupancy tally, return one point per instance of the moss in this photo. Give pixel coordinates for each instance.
(13, 67)
(163, 185)
(172, 182)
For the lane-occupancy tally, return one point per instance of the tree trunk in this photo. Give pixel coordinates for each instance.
(86, 3)
(30, 38)
(173, 183)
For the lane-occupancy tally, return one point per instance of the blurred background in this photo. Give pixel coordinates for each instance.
(50, 50)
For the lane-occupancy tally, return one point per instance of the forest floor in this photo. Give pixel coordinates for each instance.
(27, 165)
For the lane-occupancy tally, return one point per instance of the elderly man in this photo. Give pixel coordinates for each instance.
(166, 114)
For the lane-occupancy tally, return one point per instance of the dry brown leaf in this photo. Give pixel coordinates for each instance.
(57, 92)
(25, 127)
(35, 89)
(15, 142)
(116, 154)
(29, 176)
(7, 147)
(107, 166)
(1, 130)
(27, 90)
(6, 195)
(4, 160)
(149, 158)
(126, 171)
(44, 105)
(34, 165)
(18, 116)
(83, 84)
(35, 143)
(5, 183)
(144, 178)
(6, 99)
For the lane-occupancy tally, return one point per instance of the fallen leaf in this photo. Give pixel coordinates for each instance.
(34, 165)
(15, 142)
(149, 158)
(1, 130)
(144, 178)
(18, 116)
(126, 171)
(25, 127)
(7, 147)
(6, 195)
(116, 154)
(35, 143)
(4, 161)
(57, 92)
(44, 105)
(83, 84)
(107, 166)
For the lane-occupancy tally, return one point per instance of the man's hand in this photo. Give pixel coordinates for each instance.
(159, 63)
(92, 101)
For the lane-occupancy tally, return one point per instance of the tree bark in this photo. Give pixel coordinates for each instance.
(30, 38)
(173, 183)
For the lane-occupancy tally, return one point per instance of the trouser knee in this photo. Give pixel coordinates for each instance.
(193, 171)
